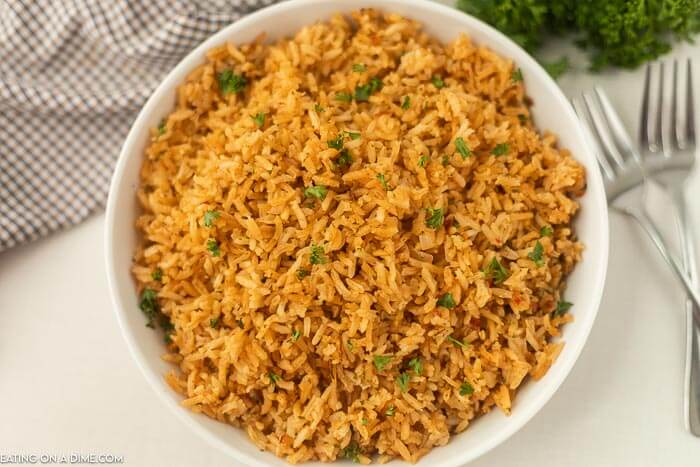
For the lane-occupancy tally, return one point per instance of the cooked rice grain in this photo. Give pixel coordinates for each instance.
(267, 341)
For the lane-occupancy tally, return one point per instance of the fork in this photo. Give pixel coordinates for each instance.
(677, 145)
(625, 180)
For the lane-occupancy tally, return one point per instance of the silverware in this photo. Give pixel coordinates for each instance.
(677, 144)
(625, 180)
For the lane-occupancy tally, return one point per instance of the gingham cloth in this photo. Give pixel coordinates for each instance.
(73, 76)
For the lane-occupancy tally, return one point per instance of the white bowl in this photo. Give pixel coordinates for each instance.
(551, 111)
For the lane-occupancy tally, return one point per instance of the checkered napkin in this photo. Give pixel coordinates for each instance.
(73, 76)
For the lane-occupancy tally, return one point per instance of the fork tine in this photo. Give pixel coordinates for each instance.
(644, 122)
(583, 117)
(658, 131)
(675, 130)
(603, 131)
(689, 109)
(616, 127)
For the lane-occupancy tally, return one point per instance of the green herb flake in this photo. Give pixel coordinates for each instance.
(343, 97)
(462, 148)
(336, 143)
(423, 161)
(517, 75)
(406, 104)
(447, 301)
(318, 108)
(359, 67)
(523, 119)
(240, 323)
(561, 308)
(390, 411)
(214, 323)
(546, 231)
(353, 134)
(318, 255)
(435, 218)
(351, 452)
(496, 271)
(457, 342)
(349, 345)
(161, 127)
(537, 254)
(416, 365)
(316, 191)
(364, 421)
(213, 247)
(259, 119)
(500, 150)
(231, 83)
(273, 378)
(402, 380)
(302, 273)
(438, 82)
(363, 92)
(157, 275)
(382, 181)
(381, 361)
(149, 305)
(445, 160)
(344, 159)
(296, 334)
(210, 217)
(466, 389)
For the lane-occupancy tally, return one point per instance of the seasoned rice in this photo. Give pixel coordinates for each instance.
(415, 286)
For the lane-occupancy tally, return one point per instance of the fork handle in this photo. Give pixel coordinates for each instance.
(677, 267)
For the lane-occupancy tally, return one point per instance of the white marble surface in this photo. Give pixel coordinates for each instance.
(68, 383)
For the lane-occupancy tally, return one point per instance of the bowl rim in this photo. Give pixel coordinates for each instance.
(191, 60)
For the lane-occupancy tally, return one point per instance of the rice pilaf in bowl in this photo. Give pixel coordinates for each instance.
(355, 240)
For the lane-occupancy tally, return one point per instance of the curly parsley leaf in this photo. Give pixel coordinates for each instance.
(537, 254)
(316, 191)
(495, 271)
(403, 380)
(318, 255)
(381, 361)
(210, 217)
(435, 218)
(406, 104)
(462, 147)
(213, 247)
(466, 389)
(447, 301)
(561, 308)
(500, 150)
(230, 82)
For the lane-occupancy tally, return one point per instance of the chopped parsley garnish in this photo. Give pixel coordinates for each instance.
(561, 308)
(381, 361)
(438, 82)
(466, 389)
(500, 150)
(517, 75)
(546, 231)
(336, 143)
(259, 119)
(447, 301)
(364, 421)
(343, 97)
(537, 254)
(318, 108)
(344, 159)
(157, 275)
(406, 104)
(210, 217)
(318, 255)
(457, 342)
(522, 118)
(359, 67)
(213, 247)
(273, 378)
(317, 191)
(462, 148)
(496, 271)
(296, 334)
(149, 305)
(351, 452)
(302, 273)
(435, 218)
(423, 161)
(445, 160)
(417, 366)
(403, 380)
(353, 134)
(231, 83)
(382, 181)
(363, 92)
(214, 323)
(161, 127)
(349, 345)
(390, 411)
